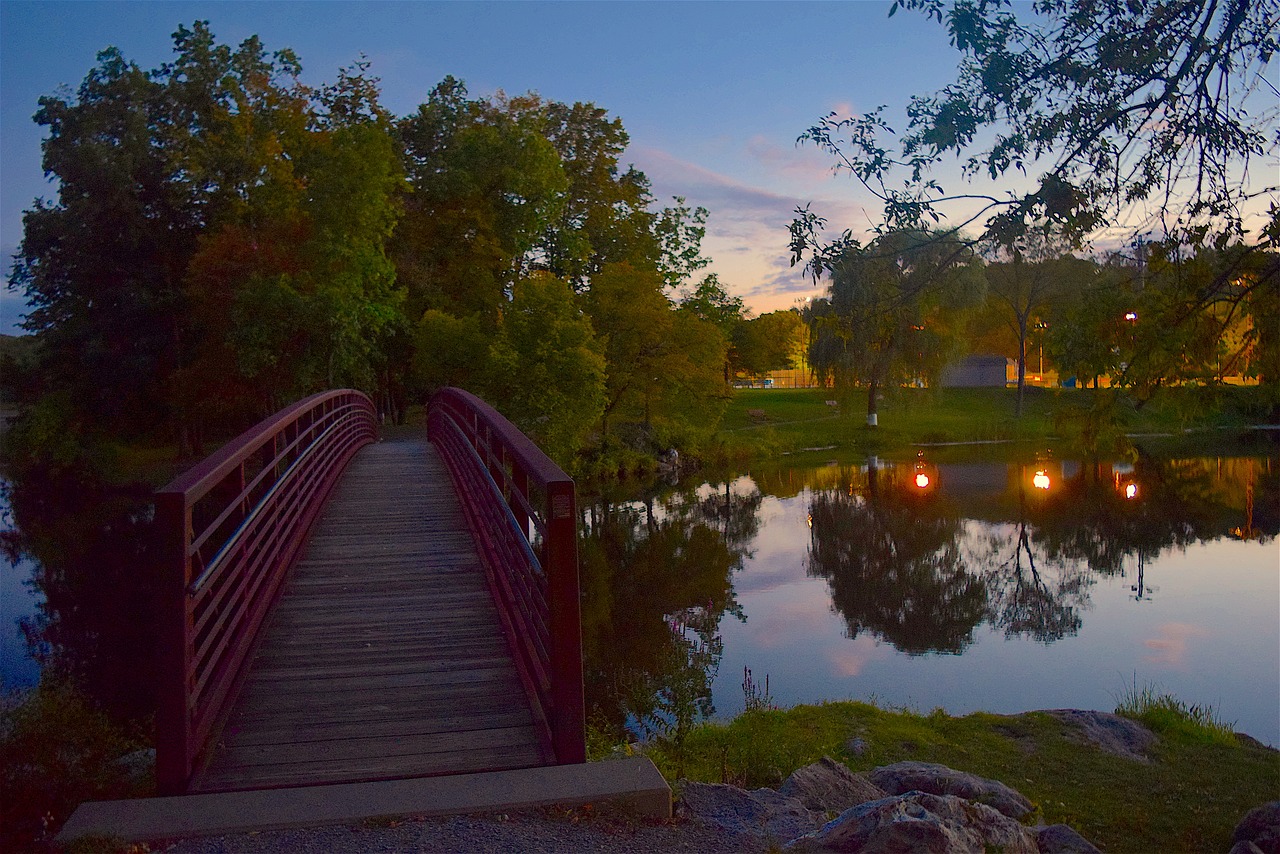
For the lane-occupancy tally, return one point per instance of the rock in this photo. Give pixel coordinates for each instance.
(1245, 847)
(763, 812)
(1261, 826)
(923, 823)
(858, 746)
(138, 768)
(829, 786)
(902, 777)
(1109, 733)
(1061, 839)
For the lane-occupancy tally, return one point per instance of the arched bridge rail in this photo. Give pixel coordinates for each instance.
(522, 508)
(231, 528)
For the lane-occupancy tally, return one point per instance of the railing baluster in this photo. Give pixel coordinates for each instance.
(257, 529)
(496, 468)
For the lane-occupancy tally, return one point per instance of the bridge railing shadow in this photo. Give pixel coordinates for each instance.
(522, 509)
(232, 526)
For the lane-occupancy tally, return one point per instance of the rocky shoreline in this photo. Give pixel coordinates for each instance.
(905, 806)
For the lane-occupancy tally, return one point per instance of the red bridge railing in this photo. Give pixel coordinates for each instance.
(522, 510)
(231, 527)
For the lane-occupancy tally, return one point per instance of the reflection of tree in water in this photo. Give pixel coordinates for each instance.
(92, 544)
(892, 560)
(1030, 594)
(656, 580)
(1089, 519)
(901, 564)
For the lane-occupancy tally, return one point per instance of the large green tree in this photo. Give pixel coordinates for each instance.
(216, 243)
(893, 311)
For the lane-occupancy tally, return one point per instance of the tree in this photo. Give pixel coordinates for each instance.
(767, 343)
(892, 310)
(1135, 108)
(659, 361)
(604, 216)
(487, 184)
(217, 243)
(1030, 275)
(546, 372)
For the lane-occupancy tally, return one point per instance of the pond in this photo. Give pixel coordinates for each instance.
(963, 585)
(917, 583)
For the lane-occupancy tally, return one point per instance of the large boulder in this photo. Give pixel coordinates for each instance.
(762, 812)
(1261, 827)
(923, 824)
(903, 777)
(829, 786)
(1109, 733)
(1062, 839)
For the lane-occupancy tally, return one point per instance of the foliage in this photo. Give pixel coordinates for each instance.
(660, 361)
(217, 243)
(56, 750)
(1173, 719)
(768, 342)
(892, 313)
(546, 370)
(1124, 106)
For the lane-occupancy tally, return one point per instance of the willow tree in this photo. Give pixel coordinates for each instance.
(893, 311)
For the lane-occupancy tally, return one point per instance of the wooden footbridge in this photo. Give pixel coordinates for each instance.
(344, 610)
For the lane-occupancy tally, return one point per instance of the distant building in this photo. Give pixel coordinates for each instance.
(977, 372)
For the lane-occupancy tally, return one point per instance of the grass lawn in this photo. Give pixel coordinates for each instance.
(1188, 798)
(776, 421)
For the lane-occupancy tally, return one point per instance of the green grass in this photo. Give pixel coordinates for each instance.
(1189, 798)
(788, 421)
(1171, 718)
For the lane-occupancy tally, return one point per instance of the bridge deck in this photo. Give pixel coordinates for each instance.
(384, 657)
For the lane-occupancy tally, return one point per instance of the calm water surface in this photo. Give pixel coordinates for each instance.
(971, 589)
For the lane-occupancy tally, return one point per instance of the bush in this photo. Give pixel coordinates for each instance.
(57, 750)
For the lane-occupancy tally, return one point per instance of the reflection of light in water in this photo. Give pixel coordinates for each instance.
(922, 480)
(1131, 490)
(1041, 480)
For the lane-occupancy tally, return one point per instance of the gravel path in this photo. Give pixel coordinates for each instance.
(546, 831)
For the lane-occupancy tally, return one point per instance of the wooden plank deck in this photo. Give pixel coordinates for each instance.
(384, 657)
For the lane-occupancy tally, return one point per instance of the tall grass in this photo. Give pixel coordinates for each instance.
(1170, 717)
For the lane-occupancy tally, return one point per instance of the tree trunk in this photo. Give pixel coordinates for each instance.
(873, 419)
(1022, 364)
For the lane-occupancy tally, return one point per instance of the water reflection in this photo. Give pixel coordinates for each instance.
(906, 564)
(891, 555)
(657, 578)
(90, 548)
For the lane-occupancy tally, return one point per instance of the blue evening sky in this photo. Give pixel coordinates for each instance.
(713, 95)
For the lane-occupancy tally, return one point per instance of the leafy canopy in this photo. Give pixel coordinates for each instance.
(1147, 115)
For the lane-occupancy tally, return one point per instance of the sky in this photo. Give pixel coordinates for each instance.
(713, 95)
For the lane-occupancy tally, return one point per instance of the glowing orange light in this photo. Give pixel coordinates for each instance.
(922, 480)
(1131, 490)
(1041, 480)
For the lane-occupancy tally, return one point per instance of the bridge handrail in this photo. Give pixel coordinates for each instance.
(230, 528)
(523, 509)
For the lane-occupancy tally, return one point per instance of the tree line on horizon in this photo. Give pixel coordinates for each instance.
(227, 239)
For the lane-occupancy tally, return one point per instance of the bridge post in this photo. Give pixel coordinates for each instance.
(568, 723)
(173, 719)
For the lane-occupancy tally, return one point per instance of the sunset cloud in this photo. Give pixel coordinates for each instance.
(747, 232)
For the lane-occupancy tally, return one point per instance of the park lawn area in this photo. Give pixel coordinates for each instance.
(778, 421)
(1188, 798)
